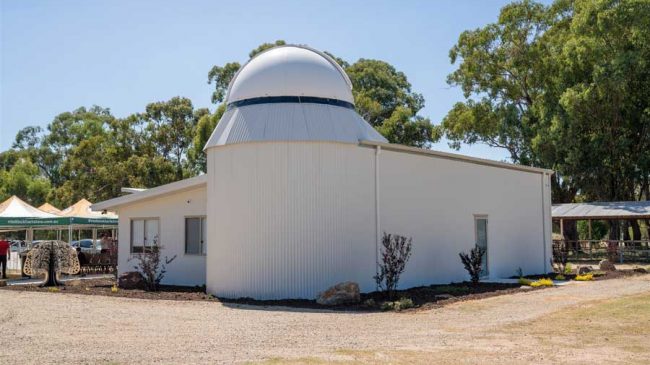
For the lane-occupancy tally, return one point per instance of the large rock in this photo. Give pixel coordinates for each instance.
(131, 280)
(342, 293)
(583, 270)
(606, 265)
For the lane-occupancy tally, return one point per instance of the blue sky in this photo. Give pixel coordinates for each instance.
(60, 55)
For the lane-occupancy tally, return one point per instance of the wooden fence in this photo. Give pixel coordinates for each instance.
(621, 251)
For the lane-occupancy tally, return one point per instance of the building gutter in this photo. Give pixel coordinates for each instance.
(453, 156)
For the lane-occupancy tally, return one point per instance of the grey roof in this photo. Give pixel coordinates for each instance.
(602, 210)
(292, 122)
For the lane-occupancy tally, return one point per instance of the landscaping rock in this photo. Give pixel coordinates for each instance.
(131, 280)
(3, 283)
(583, 270)
(606, 265)
(342, 293)
(640, 270)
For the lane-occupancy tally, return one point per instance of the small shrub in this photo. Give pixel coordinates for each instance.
(369, 303)
(560, 277)
(568, 269)
(403, 303)
(395, 253)
(524, 281)
(597, 273)
(473, 263)
(114, 288)
(387, 306)
(152, 268)
(542, 282)
(585, 277)
(53, 289)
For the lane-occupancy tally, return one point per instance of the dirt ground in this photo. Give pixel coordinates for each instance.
(583, 323)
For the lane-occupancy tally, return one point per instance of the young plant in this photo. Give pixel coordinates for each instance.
(473, 263)
(152, 268)
(395, 253)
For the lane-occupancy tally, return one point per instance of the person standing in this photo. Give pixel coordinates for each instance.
(5, 248)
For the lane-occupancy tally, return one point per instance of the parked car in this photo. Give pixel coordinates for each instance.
(87, 245)
(18, 246)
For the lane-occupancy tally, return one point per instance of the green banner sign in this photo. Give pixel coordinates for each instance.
(59, 221)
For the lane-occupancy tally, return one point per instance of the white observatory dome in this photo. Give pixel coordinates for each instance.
(291, 93)
(291, 71)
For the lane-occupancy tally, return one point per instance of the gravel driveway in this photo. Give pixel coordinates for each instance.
(63, 328)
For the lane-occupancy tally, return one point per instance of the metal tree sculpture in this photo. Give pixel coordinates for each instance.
(52, 258)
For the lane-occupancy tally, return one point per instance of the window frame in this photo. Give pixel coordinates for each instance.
(202, 240)
(144, 227)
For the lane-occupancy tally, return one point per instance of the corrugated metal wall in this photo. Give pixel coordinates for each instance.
(289, 219)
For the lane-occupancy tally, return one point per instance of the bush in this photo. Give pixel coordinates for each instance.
(403, 303)
(560, 277)
(395, 253)
(542, 282)
(568, 269)
(473, 263)
(585, 277)
(524, 281)
(152, 268)
(370, 303)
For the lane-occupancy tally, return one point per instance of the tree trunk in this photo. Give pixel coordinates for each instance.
(636, 229)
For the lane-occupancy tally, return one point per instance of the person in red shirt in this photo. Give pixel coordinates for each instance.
(4, 253)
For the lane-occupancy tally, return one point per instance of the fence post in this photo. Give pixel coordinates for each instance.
(620, 252)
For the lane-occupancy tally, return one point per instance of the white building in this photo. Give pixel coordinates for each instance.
(299, 189)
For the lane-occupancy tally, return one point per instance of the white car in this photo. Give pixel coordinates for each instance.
(87, 245)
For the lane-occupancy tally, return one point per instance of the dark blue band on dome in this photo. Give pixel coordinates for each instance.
(290, 99)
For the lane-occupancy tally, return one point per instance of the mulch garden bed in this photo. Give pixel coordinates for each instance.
(423, 297)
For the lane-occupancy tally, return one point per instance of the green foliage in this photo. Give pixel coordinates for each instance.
(560, 277)
(524, 281)
(402, 304)
(599, 230)
(206, 124)
(24, 180)
(568, 269)
(561, 86)
(171, 127)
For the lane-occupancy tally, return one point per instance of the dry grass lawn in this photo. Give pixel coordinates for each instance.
(617, 330)
(602, 322)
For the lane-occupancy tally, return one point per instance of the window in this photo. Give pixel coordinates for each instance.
(195, 234)
(144, 234)
(480, 226)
